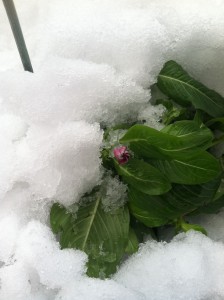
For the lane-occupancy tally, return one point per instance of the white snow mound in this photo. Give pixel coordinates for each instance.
(94, 63)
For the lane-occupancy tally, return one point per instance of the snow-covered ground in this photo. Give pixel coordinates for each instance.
(93, 62)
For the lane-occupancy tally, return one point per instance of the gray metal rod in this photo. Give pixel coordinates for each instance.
(18, 35)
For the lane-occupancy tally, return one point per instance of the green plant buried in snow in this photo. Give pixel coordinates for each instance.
(171, 174)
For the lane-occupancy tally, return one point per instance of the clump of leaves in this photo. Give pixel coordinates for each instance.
(171, 174)
(102, 235)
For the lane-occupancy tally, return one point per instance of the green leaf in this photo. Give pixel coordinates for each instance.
(194, 167)
(212, 208)
(153, 211)
(143, 177)
(187, 198)
(191, 132)
(214, 121)
(151, 143)
(220, 190)
(107, 160)
(199, 117)
(141, 230)
(172, 112)
(60, 218)
(173, 155)
(167, 103)
(132, 245)
(175, 82)
(181, 200)
(102, 236)
(186, 227)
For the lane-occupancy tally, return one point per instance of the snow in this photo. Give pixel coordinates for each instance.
(114, 193)
(190, 267)
(94, 62)
(152, 115)
(214, 225)
(94, 289)
(72, 90)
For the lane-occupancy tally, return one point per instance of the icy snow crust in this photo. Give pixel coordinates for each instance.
(93, 62)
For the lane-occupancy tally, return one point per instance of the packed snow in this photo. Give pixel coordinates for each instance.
(94, 63)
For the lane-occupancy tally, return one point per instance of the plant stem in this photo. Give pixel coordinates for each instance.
(18, 35)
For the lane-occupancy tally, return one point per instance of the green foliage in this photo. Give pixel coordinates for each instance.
(152, 211)
(132, 245)
(175, 152)
(151, 143)
(179, 152)
(193, 133)
(187, 198)
(175, 82)
(173, 112)
(211, 208)
(102, 236)
(171, 174)
(194, 167)
(215, 121)
(143, 177)
(156, 211)
(167, 143)
(186, 227)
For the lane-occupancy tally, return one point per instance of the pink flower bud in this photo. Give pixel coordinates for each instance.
(121, 154)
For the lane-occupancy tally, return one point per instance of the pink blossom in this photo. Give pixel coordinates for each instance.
(121, 154)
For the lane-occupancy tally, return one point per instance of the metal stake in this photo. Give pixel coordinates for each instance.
(18, 35)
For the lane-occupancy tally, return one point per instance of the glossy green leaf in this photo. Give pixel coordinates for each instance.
(211, 208)
(175, 82)
(143, 177)
(191, 133)
(153, 211)
(186, 227)
(181, 200)
(103, 236)
(187, 198)
(195, 167)
(151, 143)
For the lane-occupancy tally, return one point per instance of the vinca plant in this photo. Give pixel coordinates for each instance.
(171, 174)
